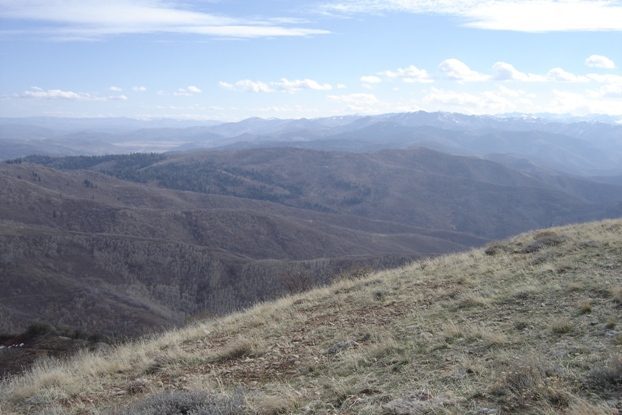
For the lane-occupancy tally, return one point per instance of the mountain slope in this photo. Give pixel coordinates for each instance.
(529, 325)
(96, 253)
(416, 187)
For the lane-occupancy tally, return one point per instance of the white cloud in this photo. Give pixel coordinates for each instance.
(601, 102)
(355, 99)
(515, 15)
(95, 19)
(457, 70)
(359, 103)
(116, 89)
(57, 94)
(486, 102)
(598, 61)
(246, 85)
(411, 74)
(284, 84)
(605, 79)
(139, 89)
(297, 109)
(559, 75)
(341, 86)
(607, 91)
(187, 92)
(299, 84)
(506, 72)
(371, 79)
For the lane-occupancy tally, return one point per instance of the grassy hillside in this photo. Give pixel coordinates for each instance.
(529, 325)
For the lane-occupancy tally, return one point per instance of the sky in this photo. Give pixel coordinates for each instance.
(229, 60)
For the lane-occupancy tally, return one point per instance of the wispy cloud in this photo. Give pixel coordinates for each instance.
(57, 94)
(299, 84)
(494, 101)
(187, 92)
(598, 61)
(514, 15)
(247, 85)
(95, 19)
(359, 103)
(370, 79)
(411, 74)
(354, 99)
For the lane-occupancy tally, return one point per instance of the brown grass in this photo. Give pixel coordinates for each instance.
(458, 334)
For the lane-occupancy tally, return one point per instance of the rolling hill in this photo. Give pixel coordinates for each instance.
(527, 325)
(124, 244)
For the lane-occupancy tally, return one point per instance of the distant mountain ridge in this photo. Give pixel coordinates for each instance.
(573, 145)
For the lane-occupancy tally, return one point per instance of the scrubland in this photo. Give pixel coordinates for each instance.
(527, 325)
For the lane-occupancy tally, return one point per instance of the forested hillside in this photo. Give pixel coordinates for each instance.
(125, 244)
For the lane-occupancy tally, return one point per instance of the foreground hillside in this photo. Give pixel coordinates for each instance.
(529, 325)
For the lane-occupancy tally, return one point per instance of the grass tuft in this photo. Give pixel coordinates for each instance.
(186, 403)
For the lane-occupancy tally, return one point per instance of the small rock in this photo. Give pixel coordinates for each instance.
(426, 335)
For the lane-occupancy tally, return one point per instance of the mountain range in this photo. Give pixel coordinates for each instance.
(576, 146)
(123, 244)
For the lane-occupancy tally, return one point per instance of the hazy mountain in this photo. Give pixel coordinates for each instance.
(571, 145)
(114, 242)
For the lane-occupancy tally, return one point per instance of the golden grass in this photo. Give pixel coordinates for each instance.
(514, 332)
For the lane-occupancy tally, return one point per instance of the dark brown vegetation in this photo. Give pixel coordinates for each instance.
(125, 244)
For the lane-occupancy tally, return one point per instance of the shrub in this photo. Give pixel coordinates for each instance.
(545, 233)
(239, 348)
(543, 242)
(38, 329)
(585, 306)
(496, 247)
(562, 326)
(528, 383)
(187, 403)
(608, 376)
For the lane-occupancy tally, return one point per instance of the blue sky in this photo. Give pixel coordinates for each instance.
(233, 59)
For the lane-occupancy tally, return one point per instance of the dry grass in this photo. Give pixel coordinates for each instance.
(521, 331)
